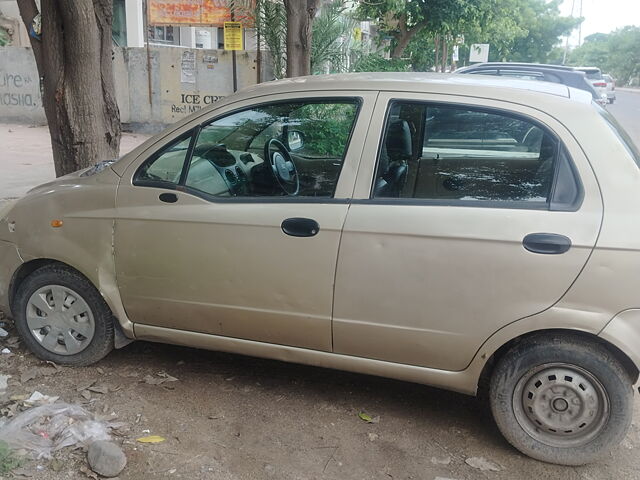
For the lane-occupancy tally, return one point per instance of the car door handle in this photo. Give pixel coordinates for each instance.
(300, 227)
(546, 243)
(168, 197)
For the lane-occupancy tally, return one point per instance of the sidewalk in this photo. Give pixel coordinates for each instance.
(26, 159)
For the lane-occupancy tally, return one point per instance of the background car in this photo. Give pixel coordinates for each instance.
(448, 230)
(611, 88)
(594, 75)
(534, 71)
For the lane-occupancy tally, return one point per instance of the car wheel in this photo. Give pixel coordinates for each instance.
(62, 318)
(561, 399)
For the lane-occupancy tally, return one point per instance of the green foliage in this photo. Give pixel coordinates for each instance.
(617, 53)
(517, 30)
(544, 27)
(8, 460)
(271, 23)
(374, 62)
(4, 37)
(326, 127)
(332, 39)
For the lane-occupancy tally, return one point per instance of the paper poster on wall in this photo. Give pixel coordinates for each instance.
(233, 36)
(188, 67)
(200, 12)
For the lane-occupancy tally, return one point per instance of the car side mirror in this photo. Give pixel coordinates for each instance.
(295, 140)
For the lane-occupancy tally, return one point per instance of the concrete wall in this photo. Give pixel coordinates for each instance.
(20, 100)
(182, 81)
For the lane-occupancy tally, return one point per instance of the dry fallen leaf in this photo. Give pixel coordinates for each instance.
(151, 439)
(99, 389)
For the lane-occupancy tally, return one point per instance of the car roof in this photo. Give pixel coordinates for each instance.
(486, 86)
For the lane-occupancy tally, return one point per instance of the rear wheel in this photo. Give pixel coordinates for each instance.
(61, 317)
(561, 399)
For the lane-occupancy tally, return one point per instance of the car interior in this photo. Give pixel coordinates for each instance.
(285, 149)
(444, 152)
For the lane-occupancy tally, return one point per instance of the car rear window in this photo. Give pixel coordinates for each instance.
(621, 134)
(593, 74)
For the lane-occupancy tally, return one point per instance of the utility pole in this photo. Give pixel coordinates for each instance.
(566, 45)
(580, 27)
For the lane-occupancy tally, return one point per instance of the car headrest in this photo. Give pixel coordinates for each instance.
(398, 141)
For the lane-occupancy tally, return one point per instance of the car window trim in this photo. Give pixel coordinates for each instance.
(514, 204)
(155, 155)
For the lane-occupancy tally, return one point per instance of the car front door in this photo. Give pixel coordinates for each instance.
(468, 215)
(232, 226)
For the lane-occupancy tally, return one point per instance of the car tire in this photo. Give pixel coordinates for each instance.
(62, 318)
(561, 399)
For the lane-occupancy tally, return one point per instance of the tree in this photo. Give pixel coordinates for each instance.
(300, 14)
(402, 20)
(333, 41)
(616, 53)
(271, 23)
(544, 27)
(74, 59)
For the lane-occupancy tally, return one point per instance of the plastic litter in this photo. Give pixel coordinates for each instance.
(48, 428)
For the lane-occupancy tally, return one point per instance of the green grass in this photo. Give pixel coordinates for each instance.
(8, 460)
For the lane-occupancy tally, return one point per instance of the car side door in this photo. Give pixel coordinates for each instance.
(221, 231)
(468, 214)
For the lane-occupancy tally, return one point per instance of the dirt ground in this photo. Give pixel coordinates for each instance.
(229, 417)
(233, 417)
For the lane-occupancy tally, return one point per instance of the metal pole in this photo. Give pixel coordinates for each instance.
(146, 29)
(566, 45)
(258, 57)
(580, 27)
(234, 65)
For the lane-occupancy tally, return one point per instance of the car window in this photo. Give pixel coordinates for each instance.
(165, 166)
(522, 74)
(465, 153)
(283, 149)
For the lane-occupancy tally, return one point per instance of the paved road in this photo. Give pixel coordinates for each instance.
(627, 110)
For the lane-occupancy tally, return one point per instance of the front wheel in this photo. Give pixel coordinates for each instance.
(62, 318)
(561, 399)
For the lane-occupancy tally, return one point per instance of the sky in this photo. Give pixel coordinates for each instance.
(602, 15)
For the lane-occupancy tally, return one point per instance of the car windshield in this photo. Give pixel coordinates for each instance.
(621, 134)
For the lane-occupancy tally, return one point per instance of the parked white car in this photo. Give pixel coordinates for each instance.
(611, 88)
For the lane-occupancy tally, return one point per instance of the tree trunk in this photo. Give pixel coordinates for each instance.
(404, 35)
(300, 14)
(74, 60)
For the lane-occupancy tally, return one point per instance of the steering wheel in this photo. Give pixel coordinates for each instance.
(282, 166)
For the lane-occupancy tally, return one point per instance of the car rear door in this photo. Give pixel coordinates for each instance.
(476, 237)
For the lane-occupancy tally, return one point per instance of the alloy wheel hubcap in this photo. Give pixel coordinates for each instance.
(60, 320)
(561, 405)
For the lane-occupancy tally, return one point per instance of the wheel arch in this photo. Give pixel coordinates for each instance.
(30, 266)
(487, 370)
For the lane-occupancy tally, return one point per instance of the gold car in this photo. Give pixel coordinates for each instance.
(446, 230)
